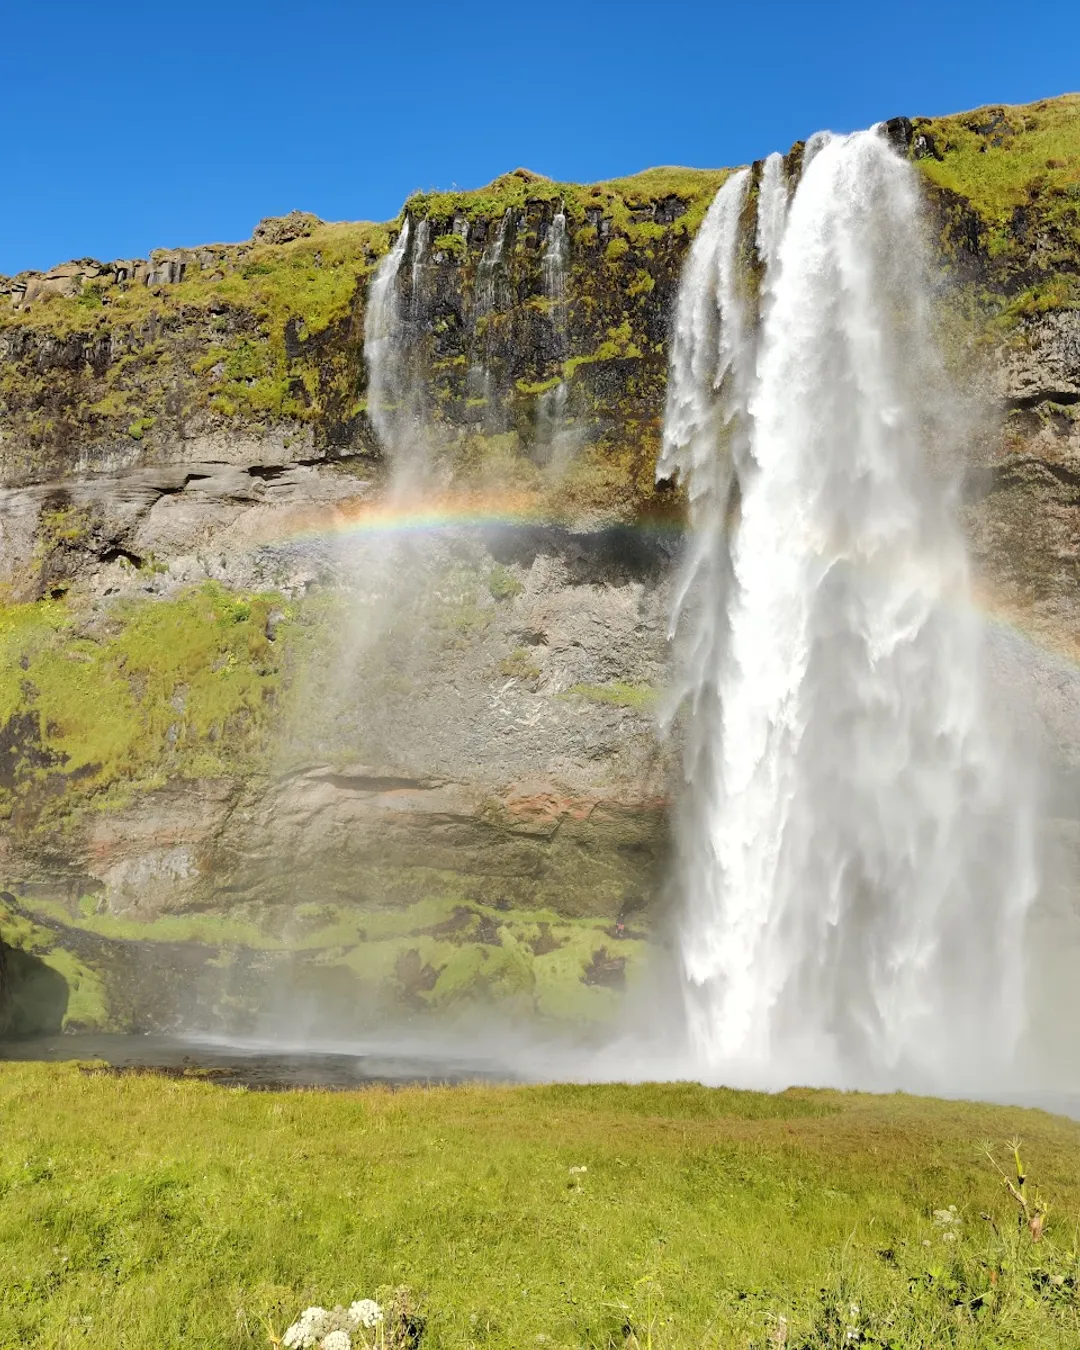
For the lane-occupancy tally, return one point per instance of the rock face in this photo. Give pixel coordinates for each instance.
(250, 740)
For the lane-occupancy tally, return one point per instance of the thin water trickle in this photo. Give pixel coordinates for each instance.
(556, 253)
(856, 852)
(420, 253)
(551, 432)
(487, 273)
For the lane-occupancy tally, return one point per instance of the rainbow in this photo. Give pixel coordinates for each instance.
(390, 516)
(428, 515)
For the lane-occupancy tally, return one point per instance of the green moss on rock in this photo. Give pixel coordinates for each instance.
(182, 687)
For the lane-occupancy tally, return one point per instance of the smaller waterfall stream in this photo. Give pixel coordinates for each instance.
(490, 267)
(383, 344)
(480, 383)
(855, 849)
(556, 254)
(419, 260)
(552, 435)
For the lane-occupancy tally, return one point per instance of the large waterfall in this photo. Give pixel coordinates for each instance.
(855, 848)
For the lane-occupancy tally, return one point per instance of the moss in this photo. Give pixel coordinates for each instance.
(452, 246)
(997, 157)
(534, 389)
(640, 697)
(312, 279)
(52, 989)
(182, 686)
(444, 951)
(255, 321)
(519, 665)
(215, 930)
(1005, 182)
(502, 584)
(137, 429)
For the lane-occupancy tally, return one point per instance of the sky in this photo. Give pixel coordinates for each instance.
(130, 127)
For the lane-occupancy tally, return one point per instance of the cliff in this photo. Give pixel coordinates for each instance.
(224, 779)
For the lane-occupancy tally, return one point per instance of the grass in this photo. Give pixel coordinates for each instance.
(623, 200)
(145, 1211)
(1037, 147)
(183, 686)
(1014, 176)
(640, 697)
(259, 316)
(312, 279)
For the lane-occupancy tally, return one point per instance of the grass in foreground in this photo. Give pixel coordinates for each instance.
(140, 1211)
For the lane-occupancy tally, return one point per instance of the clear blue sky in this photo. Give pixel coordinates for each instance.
(130, 126)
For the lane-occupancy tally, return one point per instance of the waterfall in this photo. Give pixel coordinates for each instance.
(772, 211)
(420, 252)
(480, 381)
(490, 265)
(551, 435)
(855, 847)
(556, 251)
(383, 342)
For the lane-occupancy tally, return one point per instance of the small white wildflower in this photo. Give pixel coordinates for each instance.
(944, 1217)
(365, 1312)
(305, 1333)
(578, 1171)
(337, 1340)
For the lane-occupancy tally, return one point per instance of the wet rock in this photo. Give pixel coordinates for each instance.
(899, 132)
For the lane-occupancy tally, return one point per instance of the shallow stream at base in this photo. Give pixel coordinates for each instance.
(256, 1064)
(263, 1066)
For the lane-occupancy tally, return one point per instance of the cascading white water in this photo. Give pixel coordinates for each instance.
(772, 211)
(855, 860)
(551, 404)
(420, 253)
(556, 253)
(383, 345)
(480, 383)
(487, 273)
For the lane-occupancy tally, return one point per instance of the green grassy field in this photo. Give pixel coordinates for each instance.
(140, 1211)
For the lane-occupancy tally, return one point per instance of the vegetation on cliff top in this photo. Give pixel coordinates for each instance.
(269, 333)
(670, 1217)
(1011, 181)
(630, 205)
(999, 157)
